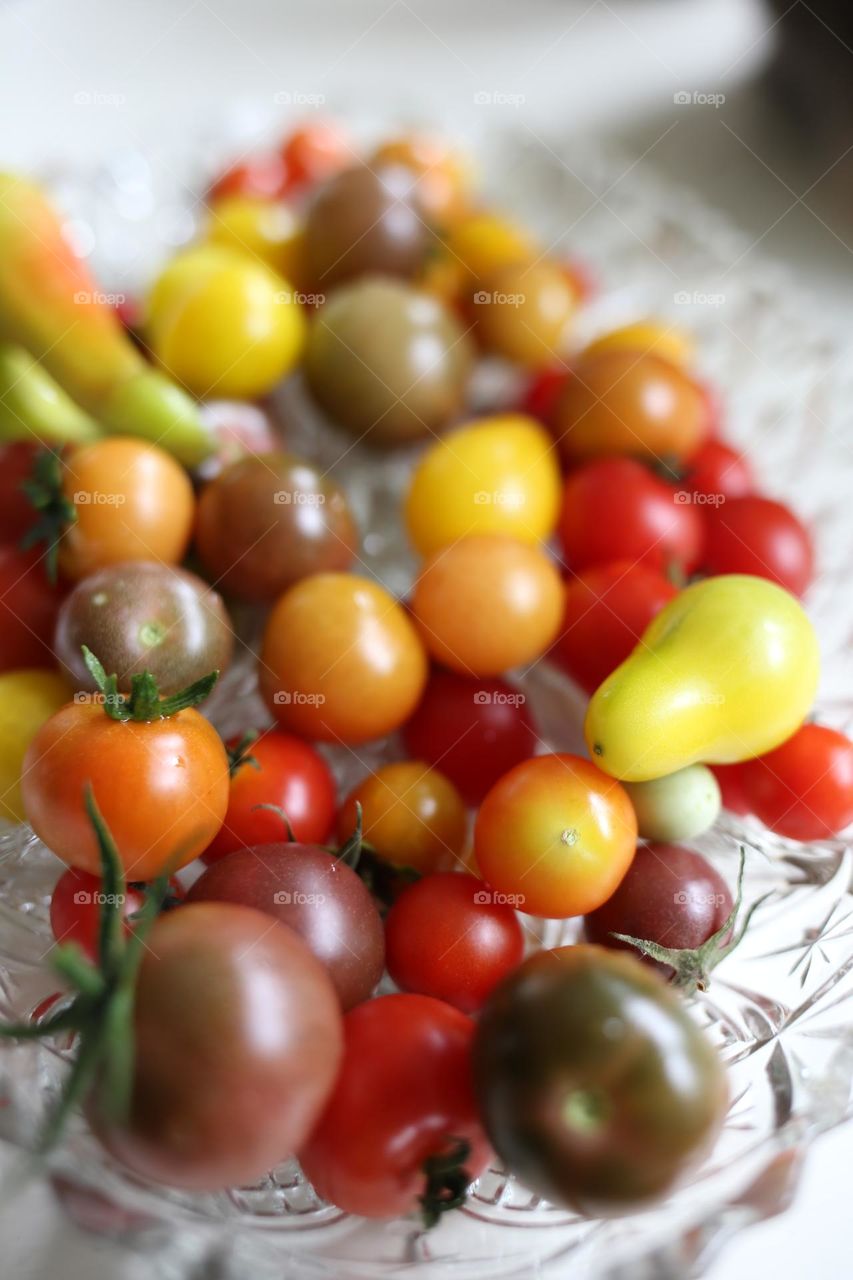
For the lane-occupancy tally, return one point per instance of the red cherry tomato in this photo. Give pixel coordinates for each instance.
(616, 509)
(803, 789)
(29, 604)
(314, 152)
(731, 787)
(404, 1093)
(608, 608)
(717, 471)
(264, 177)
(17, 514)
(472, 730)
(288, 773)
(452, 937)
(75, 909)
(542, 393)
(759, 536)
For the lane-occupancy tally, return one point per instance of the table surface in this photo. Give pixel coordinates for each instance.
(77, 81)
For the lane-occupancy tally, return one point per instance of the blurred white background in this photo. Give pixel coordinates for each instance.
(80, 79)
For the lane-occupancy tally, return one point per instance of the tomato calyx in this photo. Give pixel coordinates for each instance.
(239, 754)
(693, 965)
(55, 512)
(100, 1011)
(447, 1181)
(144, 702)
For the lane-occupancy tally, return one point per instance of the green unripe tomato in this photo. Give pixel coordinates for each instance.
(678, 806)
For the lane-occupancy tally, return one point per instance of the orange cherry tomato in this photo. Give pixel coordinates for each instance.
(316, 151)
(262, 177)
(340, 660)
(411, 815)
(623, 401)
(132, 501)
(161, 785)
(443, 184)
(488, 603)
(556, 836)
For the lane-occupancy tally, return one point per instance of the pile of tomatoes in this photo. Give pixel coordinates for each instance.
(601, 524)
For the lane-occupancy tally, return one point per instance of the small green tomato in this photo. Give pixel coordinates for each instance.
(678, 806)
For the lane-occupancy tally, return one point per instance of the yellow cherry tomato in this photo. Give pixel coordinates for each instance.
(496, 475)
(28, 698)
(648, 336)
(483, 243)
(411, 815)
(269, 231)
(226, 325)
(726, 671)
(180, 275)
(523, 312)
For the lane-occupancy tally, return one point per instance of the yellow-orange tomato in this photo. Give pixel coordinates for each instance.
(268, 230)
(488, 603)
(626, 402)
(556, 835)
(493, 475)
(27, 699)
(132, 501)
(484, 242)
(340, 660)
(523, 312)
(161, 786)
(443, 185)
(411, 815)
(648, 337)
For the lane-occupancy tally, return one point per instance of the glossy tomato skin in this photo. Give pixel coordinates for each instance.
(524, 313)
(411, 814)
(404, 1093)
(629, 402)
(474, 731)
(75, 909)
(615, 509)
(245, 1002)
(267, 521)
(716, 470)
(451, 937)
(573, 1064)
(340, 660)
(143, 616)
(803, 789)
(556, 836)
(608, 607)
(162, 787)
(288, 773)
(17, 514)
(29, 604)
(132, 500)
(28, 698)
(318, 897)
(731, 788)
(487, 603)
(670, 895)
(758, 536)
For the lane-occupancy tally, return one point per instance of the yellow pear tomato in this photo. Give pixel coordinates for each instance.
(27, 699)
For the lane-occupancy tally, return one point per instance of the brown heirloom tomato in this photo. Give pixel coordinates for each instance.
(269, 520)
(597, 1088)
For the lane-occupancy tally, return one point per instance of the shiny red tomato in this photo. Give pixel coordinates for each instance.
(608, 607)
(29, 604)
(542, 393)
(731, 787)
(759, 536)
(281, 770)
(17, 514)
(715, 470)
(616, 509)
(75, 909)
(803, 789)
(473, 730)
(452, 937)
(404, 1094)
